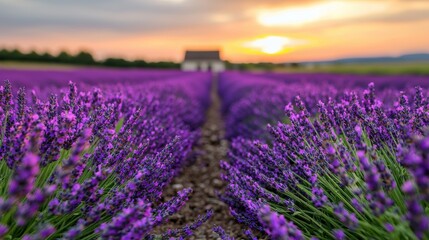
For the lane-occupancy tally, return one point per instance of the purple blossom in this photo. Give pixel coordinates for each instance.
(357, 205)
(189, 229)
(277, 227)
(3, 230)
(389, 227)
(29, 208)
(222, 234)
(419, 221)
(24, 176)
(372, 176)
(347, 218)
(43, 233)
(339, 234)
(417, 161)
(250, 235)
(318, 198)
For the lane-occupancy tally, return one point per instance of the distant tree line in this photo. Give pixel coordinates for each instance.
(81, 58)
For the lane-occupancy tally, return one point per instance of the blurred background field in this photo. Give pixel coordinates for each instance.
(389, 68)
(411, 68)
(35, 65)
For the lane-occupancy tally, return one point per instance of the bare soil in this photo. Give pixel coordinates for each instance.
(203, 176)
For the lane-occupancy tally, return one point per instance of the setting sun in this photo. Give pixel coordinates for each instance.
(245, 30)
(271, 44)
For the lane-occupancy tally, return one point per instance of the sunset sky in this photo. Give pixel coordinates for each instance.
(245, 30)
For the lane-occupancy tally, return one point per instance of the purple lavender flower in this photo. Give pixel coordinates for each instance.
(24, 176)
(277, 226)
(43, 233)
(385, 175)
(250, 235)
(347, 218)
(417, 161)
(21, 104)
(389, 227)
(419, 221)
(357, 205)
(372, 177)
(138, 216)
(29, 208)
(222, 234)
(172, 206)
(318, 198)
(3, 230)
(189, 229)
(65, 174)
(339, 234)
(7, 96)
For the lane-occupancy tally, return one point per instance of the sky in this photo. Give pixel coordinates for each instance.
(244, 30)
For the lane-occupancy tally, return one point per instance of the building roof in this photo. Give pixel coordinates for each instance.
(202, 55)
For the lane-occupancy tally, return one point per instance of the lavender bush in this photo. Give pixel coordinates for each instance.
(349, 166)
(93, 164)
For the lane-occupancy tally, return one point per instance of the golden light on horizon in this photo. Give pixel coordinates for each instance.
(324, 11)
(246, 31)
(271, 44)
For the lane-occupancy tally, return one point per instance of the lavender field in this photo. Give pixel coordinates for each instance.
(165, 154)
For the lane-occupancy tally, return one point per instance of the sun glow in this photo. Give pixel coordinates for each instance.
(325, 11)
(271, 44)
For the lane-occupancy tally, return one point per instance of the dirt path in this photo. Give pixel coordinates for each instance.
(204, 178)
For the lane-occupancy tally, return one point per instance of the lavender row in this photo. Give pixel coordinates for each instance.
(94, 164)
(333, 164)
(251, 101)
(351, 82)
(43, 82)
